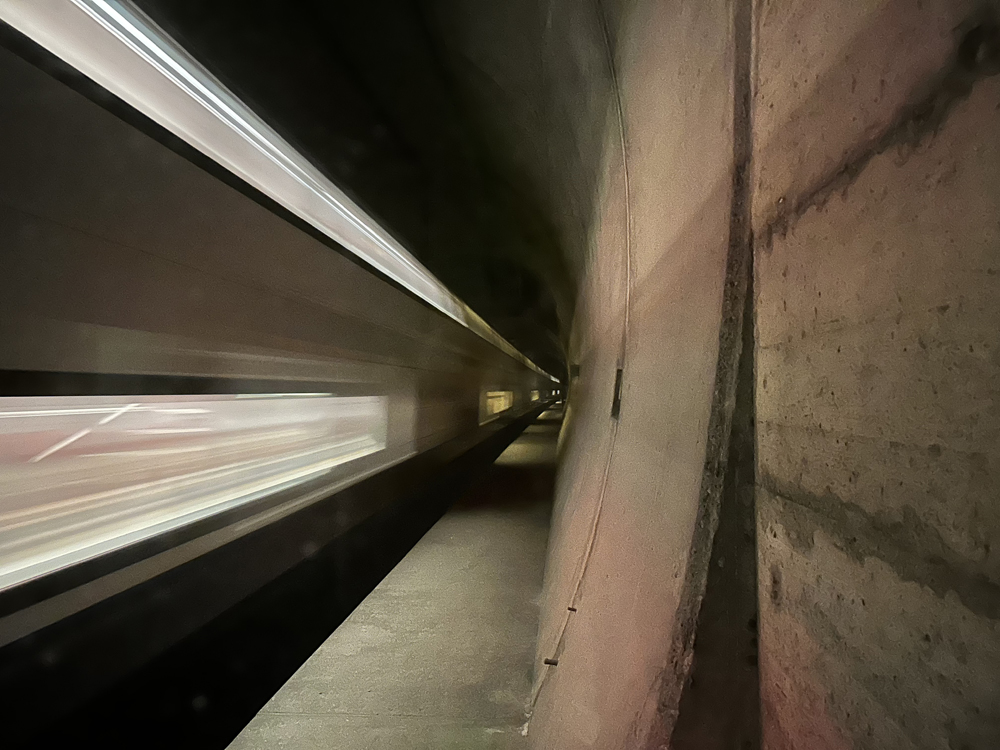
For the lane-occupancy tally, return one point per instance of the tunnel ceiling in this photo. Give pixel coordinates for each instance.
(378, 99)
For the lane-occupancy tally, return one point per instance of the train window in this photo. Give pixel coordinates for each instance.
(494, 403)
(86, 475)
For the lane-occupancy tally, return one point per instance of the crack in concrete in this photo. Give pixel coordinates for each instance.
(976, 56)
(914, 549)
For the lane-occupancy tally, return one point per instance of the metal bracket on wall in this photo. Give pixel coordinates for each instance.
(616, 404)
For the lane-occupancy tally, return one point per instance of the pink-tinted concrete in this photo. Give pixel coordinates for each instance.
(623, 115)
(652, 264)
(875, 206)
(873, 199)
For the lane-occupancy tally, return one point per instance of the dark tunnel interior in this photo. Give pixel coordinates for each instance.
(512, 375)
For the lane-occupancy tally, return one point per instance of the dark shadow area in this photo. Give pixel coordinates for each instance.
(510, 487)
(524, 474)
(720, 703)
(719, 707)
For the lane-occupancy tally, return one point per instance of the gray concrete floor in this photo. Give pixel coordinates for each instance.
(440, 654)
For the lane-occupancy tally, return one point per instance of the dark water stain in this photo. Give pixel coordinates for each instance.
(914, 549)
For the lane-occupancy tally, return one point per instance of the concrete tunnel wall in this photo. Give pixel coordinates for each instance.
(869, 171)
(637, 493)
(876, 205)
(603, 102)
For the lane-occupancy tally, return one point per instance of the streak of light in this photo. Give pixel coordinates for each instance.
(117, 414)
(58, 412)
(96, 410)
(249, 441)
(15, 572)
(182, 411)
(106, 497)
(168, 430)
(282, 395)
(77, 435)
(247, 146)
(62, 444)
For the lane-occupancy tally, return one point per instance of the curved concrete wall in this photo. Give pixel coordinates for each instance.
(623, 578)
(873, 203)
(622, 120)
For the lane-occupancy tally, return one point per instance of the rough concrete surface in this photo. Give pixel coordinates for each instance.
(619, 114)
(874, 211)
(629, 489)
(878, 129)
(439, 655)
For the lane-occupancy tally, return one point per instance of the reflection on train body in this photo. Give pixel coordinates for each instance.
(85, 475)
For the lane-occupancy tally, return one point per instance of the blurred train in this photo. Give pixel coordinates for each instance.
(207, 352)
